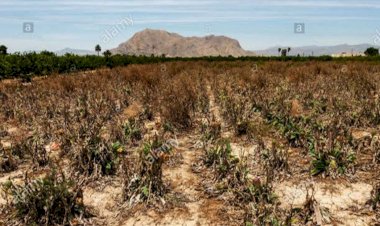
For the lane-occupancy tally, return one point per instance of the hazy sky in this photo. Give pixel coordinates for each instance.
(257, 24)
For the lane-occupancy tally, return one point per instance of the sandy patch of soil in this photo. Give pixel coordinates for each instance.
(343, 201)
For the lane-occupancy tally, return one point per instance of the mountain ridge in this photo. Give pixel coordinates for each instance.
(161, 42)
(80, 52)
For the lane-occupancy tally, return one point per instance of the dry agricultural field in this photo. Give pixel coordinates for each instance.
(193, 143)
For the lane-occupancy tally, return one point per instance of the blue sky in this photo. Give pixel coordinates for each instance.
(257, 24)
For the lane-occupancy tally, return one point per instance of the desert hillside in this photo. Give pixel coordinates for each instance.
(158, 42)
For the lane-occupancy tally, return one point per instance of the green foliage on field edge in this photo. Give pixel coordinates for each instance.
(29, 64)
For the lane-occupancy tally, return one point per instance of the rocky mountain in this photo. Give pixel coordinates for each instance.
(159, 42)
(317, 50)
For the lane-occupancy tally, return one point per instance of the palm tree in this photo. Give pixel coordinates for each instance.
(98, 49)
(279, 51)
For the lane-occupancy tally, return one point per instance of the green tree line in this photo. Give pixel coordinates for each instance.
(22, 65)
(27, 65)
